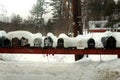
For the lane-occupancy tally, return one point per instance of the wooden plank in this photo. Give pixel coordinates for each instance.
(26, 50)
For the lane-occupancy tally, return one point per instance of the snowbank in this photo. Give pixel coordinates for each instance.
(80, 70)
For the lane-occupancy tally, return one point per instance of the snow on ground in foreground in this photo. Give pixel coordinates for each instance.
(81, 70)
(38, 58)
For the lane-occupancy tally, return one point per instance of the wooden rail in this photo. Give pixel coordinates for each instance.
(25, 50)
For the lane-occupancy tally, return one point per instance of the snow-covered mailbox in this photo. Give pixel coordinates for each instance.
(15, 42)
(91, 43)
(37, 42)
(82, 42)
(2, 41)
(109, 42)
(66, 41)
(60, 43)
(2, 38)
(48, 42)
(24, 42)
(7, 42)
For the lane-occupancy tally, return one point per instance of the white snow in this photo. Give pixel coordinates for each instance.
(20, 34)
(81, 41)
(2, 33)
(68, 41)
(37, 35)
(117, 37)
(102, 57)
(85, 69)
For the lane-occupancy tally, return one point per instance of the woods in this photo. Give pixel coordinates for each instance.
(56, 16)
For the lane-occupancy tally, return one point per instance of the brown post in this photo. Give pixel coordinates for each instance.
(119, 56)
(77, 17)
(77, 21)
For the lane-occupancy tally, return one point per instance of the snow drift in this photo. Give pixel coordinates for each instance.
(81, 70)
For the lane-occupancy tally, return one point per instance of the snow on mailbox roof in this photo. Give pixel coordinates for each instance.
(37, 35)
(2, 33)
(54, 38)
(20, 34)
(68, 41)
(63, 35)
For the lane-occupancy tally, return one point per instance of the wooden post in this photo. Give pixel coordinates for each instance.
(119, 56)
(77, 21)
(77, 17)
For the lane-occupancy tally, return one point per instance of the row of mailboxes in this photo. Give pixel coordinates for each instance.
(108, 42)
(15, 42)
(5, 42)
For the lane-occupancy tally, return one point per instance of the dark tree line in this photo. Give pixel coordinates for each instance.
(61, 15)
(61, 20)
(101, 10)
(16, 20)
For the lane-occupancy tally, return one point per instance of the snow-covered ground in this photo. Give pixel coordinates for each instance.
(37, 58)
(84, 69)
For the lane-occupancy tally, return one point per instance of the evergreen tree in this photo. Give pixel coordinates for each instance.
(16, 19)
(57, 9)
(101, 8)
(118, 7)
(38, 11)
(108, 7)
(115, 16)
(49, 26)
(61, 14)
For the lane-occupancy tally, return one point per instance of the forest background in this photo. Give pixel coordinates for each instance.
(56, 16)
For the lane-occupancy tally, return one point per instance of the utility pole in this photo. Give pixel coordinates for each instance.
(77, 21)
(77, 17)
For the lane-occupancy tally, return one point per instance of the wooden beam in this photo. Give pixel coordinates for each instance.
(25, 50)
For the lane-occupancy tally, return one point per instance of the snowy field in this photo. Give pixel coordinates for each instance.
(84, 69)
